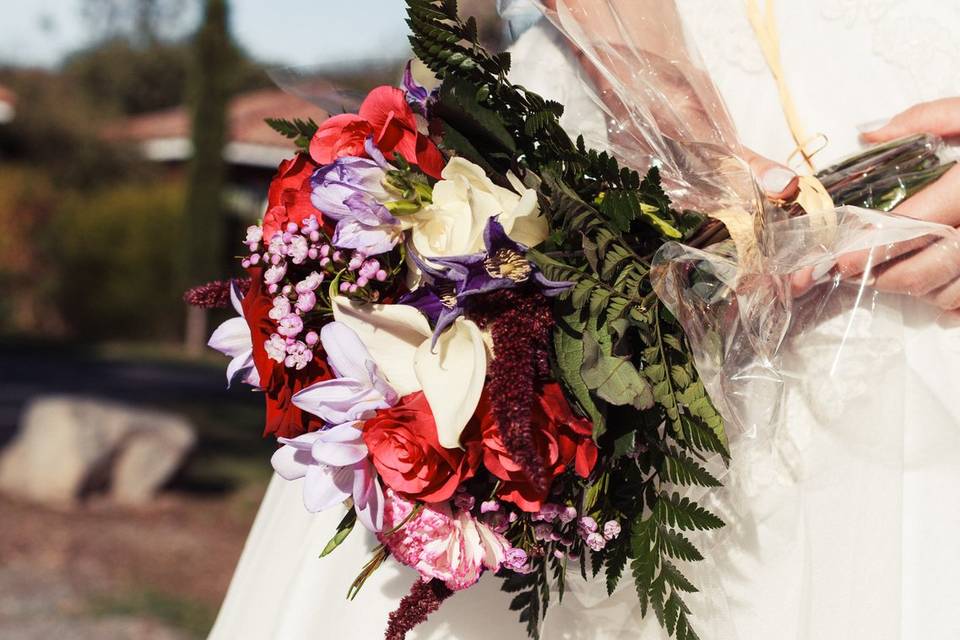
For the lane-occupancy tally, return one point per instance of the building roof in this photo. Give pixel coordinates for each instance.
(165, 135)
(8, 103)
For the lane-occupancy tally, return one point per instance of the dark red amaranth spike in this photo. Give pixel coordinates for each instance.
(424, 598)
(216, 294)
(521, 325)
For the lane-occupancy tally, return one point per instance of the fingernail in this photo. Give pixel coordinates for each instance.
(777, 179)
(869, 281)
(821, 270)
(873, 125)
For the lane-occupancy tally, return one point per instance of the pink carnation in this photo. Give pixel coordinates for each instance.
(452, 548)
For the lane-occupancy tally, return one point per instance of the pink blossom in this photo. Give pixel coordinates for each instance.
(298, 356)
(290, 325)
(568, 515)
(254, 236)
(587, 524)
(611, 529)
(298, 248)
(281, 308)
(310, 283)
(453, 548)
(596, 541)
(275, 274)
(488, 506)
(307, 301)
(276, 348)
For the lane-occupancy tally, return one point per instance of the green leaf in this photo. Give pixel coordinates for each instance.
(343, 530)
(671, 574)
(612, 378)
(682, 469)
(616, 561)
(458, 106)
(684, 513)
(645, 560)
(676, 545)
(568, 348)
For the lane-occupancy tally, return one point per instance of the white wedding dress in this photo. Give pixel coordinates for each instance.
(843, 522)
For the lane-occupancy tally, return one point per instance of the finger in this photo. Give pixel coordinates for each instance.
(776, 180)
(947, 297)
(856, 262)
(939, 117)
(922, 273)
(937, 203)
(802, 281)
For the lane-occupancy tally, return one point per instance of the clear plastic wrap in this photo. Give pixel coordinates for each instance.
(832, 375)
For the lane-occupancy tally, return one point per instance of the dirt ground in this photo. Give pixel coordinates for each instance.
(105, 572)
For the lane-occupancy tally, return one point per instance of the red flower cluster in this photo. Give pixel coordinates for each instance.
(388, 119)
(561, 439)
(279, 382)
(407, 454)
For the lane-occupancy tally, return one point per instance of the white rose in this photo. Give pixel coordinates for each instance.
(463, 201)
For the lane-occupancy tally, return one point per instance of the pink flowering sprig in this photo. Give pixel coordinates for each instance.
(303, 271)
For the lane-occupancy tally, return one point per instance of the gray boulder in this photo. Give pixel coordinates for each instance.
(68, 446)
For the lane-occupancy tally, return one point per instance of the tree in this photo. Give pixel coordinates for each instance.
(211, 83)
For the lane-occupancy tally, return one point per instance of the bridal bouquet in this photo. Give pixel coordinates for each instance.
(450, 314)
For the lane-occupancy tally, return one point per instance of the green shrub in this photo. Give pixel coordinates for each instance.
(117, 258)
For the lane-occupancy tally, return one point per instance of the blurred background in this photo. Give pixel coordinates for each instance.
(133, 154)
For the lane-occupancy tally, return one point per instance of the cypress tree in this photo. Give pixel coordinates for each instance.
(209, 90)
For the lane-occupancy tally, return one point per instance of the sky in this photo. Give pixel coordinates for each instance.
(290, 32)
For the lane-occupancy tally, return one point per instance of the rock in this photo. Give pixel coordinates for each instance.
(68, 446)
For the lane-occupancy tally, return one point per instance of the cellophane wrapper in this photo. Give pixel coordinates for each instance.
(825, 391)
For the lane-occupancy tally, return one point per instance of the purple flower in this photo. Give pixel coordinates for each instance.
(516, 559)
(418, 97)
(450, 282)
(351, 192)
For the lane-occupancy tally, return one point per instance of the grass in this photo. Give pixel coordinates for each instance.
(192, 617)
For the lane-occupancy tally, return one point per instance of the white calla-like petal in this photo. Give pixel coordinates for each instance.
(392, 333)
(452, 377)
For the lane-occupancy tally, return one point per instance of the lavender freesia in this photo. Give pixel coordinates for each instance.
(350, 191)
(359, 388)
(335, 466)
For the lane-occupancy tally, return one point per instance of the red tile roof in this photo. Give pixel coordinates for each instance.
(7, 95)
(245, 120)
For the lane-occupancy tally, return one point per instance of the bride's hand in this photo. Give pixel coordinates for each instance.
(925, 268)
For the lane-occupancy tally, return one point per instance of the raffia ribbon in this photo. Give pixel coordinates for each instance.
(813, 197)
(768, 36)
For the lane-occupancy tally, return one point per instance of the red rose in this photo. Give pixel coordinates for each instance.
(288, 199)
(403, 445)
(279, 383)
(386, 116)
(563, 440)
